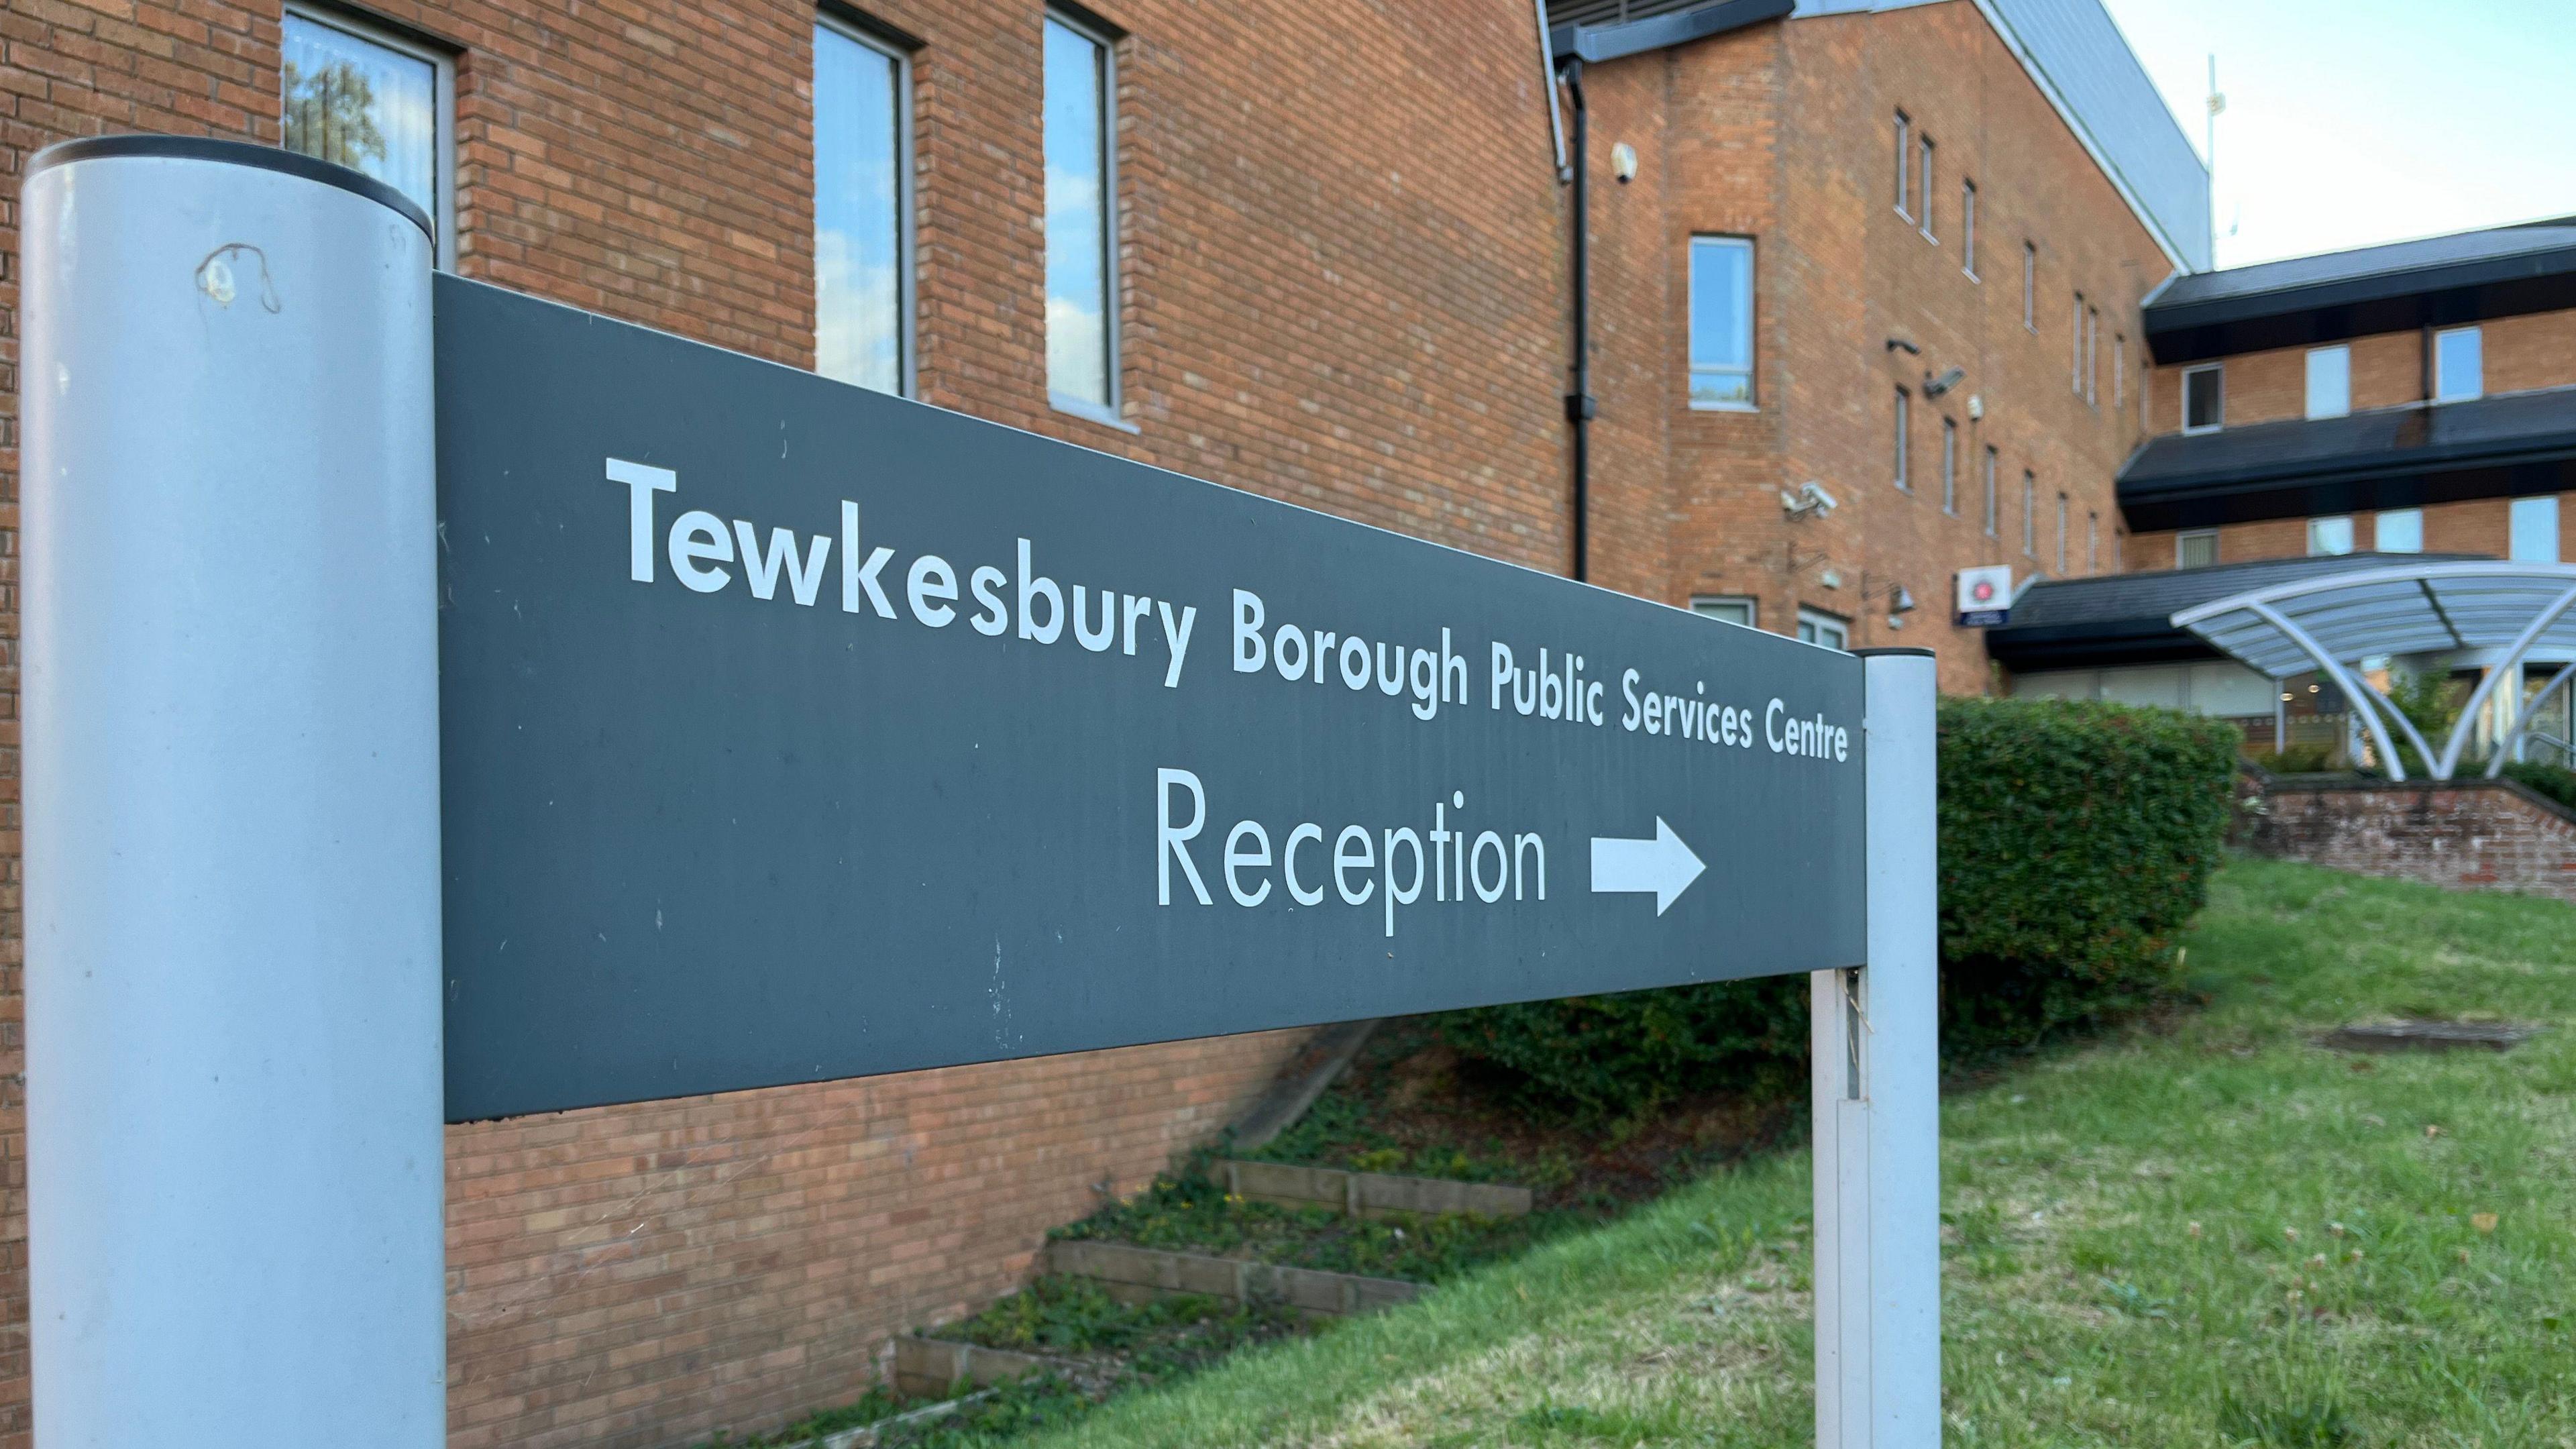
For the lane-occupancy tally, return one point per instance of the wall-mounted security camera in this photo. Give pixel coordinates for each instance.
(1935, 386)
(1623, 162)
(1810, 498)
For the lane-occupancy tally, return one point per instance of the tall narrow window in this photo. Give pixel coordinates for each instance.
(1721, 322)
(2119, 369)
(1904, 166)
(1991, 520)
(1904, 403)
(2092, 350)
(2075, 345)
(2061, 535)
(2459, 365)
(1949, 466)
(1968, 228)
(2029, 513)
(1082, 316)
(373, 101)
(2092, 542)
(2030, 286)
(861, 270)
(2399, 530)
(1926, 149)
(2197, 549)
(2330, 535)
(2534, 529)
(2204, 398)
(2329, 381)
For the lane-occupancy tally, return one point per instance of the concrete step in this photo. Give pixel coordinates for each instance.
(1370, 1194)
(1136, 1275)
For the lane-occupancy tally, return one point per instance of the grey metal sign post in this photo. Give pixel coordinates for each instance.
(779, 731)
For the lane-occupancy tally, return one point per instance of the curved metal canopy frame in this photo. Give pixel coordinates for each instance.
(2329, 622)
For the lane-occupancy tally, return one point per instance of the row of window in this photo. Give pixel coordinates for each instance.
(2531, 534)
(1991, 505)
(382, 103)
(2459, 375)
(1815, 626)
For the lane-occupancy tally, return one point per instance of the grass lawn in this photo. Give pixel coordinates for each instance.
(2209, 1232)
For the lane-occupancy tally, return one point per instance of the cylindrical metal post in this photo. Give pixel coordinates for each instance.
(1877, 1098)
(231, 753)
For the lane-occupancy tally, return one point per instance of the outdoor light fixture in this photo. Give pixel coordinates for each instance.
(1623, 162)
(1899, 344)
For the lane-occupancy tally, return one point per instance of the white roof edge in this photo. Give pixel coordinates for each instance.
(2400, 574)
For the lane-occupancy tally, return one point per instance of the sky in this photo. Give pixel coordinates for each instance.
(2351, 122)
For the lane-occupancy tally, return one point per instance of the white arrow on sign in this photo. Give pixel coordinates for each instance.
(1662, 866)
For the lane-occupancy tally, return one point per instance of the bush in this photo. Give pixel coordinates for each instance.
(2077, 840)
(2298, 759)
(2555, 781)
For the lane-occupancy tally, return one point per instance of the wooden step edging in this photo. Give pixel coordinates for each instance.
(1135, 1275)
(929, 1368)
(1370, 1194)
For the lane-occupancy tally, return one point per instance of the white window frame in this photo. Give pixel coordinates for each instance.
(2379, 526)
(1710, 606)
(2351, 536)
(1904, 164)
(1924, 146)
(1752, 401)
(2217, 369)
(2442, 389)
(1950, 467)
(442, 65)
(1114, 286)
(2190, 536)
(1814, 625)
(2119, 370)
(2030, 285)
(2308, 381)
(1904, 407)
(1968, 229)
(2535, 506)
(1993, 506)
(906, 324)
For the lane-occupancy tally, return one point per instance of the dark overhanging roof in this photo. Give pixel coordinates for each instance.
(2114, 619)
(2406, 457)
(2438, 281)
(1593, 44)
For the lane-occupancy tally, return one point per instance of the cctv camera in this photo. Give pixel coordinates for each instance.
(1935, 386)
(1811, 497)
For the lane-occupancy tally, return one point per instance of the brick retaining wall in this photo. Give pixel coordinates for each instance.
(2460, 834)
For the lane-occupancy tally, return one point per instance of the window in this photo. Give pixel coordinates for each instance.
(1903, 403)
(373, 101)
(862, 262)
(2075, 345)
(2197, 549)
(1081, 190)
(2535, 530)
(2399, 530)
(2119, 369)
(2061, 535)
(2204, 398)
(2459, 365)
(2092, 542)
(2030, 286)
(2029, 513)
(2329, 535)
(1968, 228)
(2329, 381)
(1927, 188)
(2092, 363)
(1721, 322)
(1733, 608)
(1949, 466)
(1904, 165)
(1990, 493)
(1817, 627)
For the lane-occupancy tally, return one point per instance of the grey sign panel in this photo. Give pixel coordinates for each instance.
(794, 732)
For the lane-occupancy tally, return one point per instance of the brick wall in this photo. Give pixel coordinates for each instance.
(2522, 354)
(1784, 133)
(1341, 254)
(2460, 834)
(2476, 526)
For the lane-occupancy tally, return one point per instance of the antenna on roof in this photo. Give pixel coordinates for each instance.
(2209, 152)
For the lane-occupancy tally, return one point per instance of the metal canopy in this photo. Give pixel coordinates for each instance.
(2505, 611)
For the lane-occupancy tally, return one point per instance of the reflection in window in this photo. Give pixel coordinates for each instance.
(859, 173)
(2330, 535)
(364, 103)
(1080, 366)
(2534, 528)
(2459, 365)
(1721, 322)
(2399, 530)
(2204, 398)
(2329, 381)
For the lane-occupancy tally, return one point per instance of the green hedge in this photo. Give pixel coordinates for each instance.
(2555, 781)
(2077, 840)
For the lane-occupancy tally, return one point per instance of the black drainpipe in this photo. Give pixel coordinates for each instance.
(1579, 406)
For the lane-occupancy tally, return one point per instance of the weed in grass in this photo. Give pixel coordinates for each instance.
(2302, 1424)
